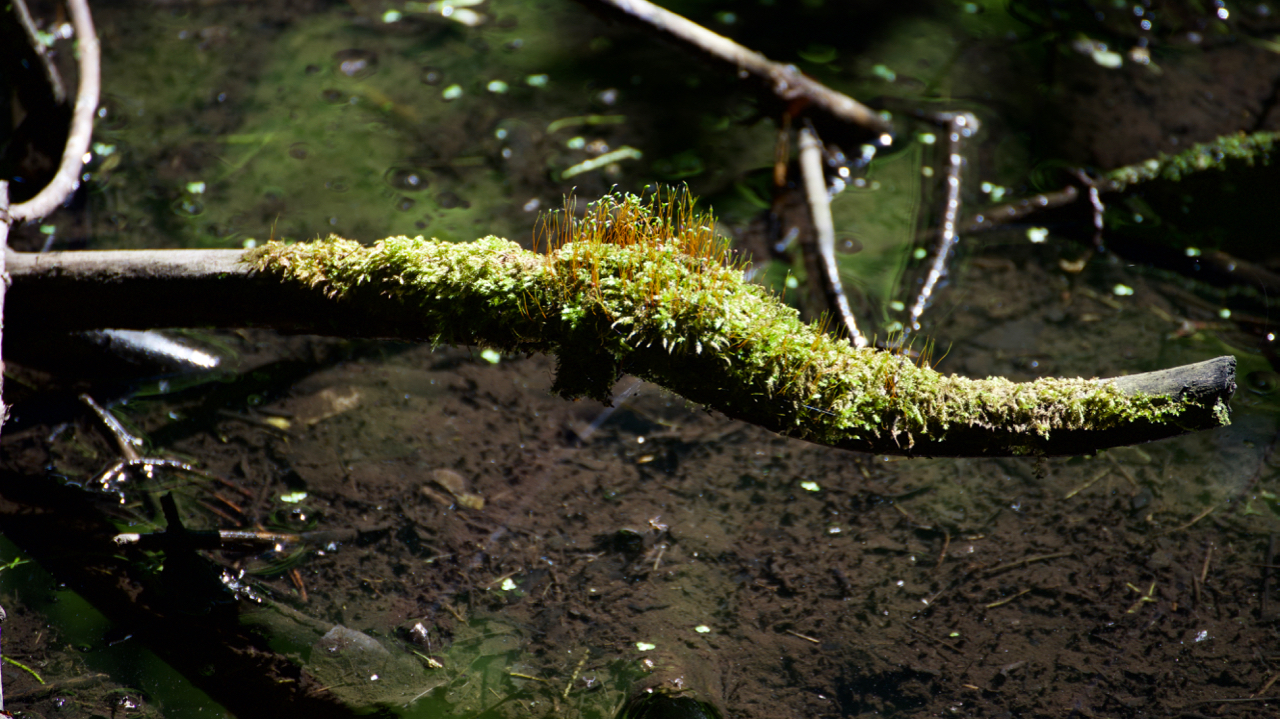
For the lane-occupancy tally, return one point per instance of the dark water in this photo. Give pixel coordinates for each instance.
(655, 546)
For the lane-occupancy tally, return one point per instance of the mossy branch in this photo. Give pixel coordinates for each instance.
(1248, 148)
(646, 289)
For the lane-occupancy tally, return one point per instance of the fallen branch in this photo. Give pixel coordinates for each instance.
(635, 288)
(784, 81)
(1242, 147)
(67, 179)
(1215, 155)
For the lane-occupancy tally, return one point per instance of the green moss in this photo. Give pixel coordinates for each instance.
(1246, 148)
(644, 288)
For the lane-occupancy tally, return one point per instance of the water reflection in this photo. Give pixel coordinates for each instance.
(356, 63)
(407, 178)
(431, 76)
(1262, 381)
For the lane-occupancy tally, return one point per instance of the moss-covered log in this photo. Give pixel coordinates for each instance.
(636, 289)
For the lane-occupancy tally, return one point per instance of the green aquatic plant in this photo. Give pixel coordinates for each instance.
(646, 287)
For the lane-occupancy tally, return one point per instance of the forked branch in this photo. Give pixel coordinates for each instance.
(784, 81)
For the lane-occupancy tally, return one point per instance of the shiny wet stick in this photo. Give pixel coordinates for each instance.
(959, 126)
(2, 711)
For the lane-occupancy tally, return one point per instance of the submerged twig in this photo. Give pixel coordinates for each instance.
(5, 221)
(129, 445)
(3, 616)
(815, 188)
(998, 216)
(959, 126)
(1095, 204)
(232, 540)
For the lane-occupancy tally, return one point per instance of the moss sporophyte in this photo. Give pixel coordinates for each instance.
(645, 287)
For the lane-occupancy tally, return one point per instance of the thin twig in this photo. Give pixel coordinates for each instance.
(5, 221)
(131, 457)
(815, 187)
(785, 81)
(932, 640)
(1207, 511)
(23, 15)
(1025, 560)
(1006, 600)
(126, 440)
(801, 636)
(1095, 203)
(2, 618)
(1197, 582)
(1087, 484)
(1266, 686)
(1232, 700)
(68, 178)
(998, 216)
(959, 126)
(235, 540)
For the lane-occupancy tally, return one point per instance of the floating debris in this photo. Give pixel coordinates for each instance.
(458, 486)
